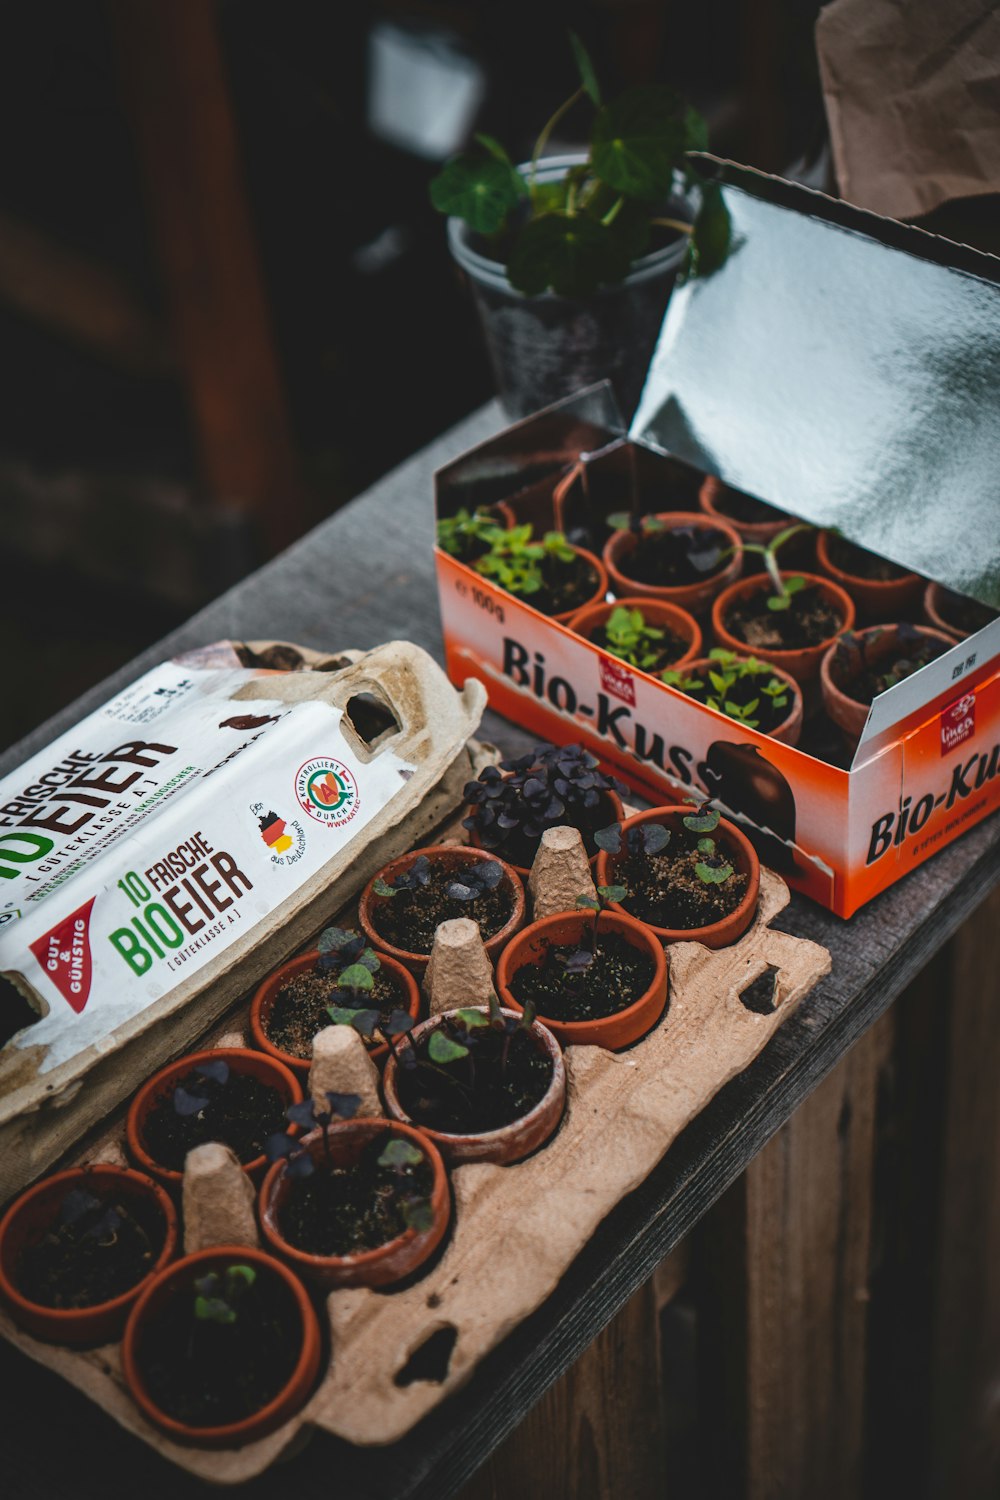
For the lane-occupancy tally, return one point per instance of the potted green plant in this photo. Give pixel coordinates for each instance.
(550, 574)
(688, 873)
(354, 1202)
(861, 664)
(485, 1084)
(644, 633)
(752, 693)
(681, 557)
(222, 1347)
(593, 976)
(77, 1248)
(572, 258)
(511, 805)
(292, 1004)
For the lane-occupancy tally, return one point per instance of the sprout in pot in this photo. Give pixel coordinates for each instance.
(627, 635)
(513, 805)
(781, 611)
(677, 877)
(339, 1204)
(584, 230)
(868, 662)
(741, 687)
(468, 535)
(221, 1349)
(212, 1102)
(667, 553)
(407, 908)
(346, 972)
(550, 575)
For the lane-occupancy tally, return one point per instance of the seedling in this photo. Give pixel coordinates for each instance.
(371, 1025)
(854, 655)
(341, 949)
(309, 1116)
(466, 533)
(215, 1073)
(550, 786)
(475, 880)
(713, 868)
(401, 1156)
(516, 562)
(576, 963)
(585, 230)
(416, 875)
(631, 639)
(730, 678)
(219, 1295)
(642, 838)
(785, 586)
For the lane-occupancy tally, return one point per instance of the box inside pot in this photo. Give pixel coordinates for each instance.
(845, 369)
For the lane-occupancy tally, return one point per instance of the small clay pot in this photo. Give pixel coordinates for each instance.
(455, 857)
(241, 1060)
(656, 612)
(267, 993)
(28, 1219)
(936, 598)
(178, 1281)
(511, 1142)
(626, 1025)
(802, 664)
(738, 850)
(609, 800)
(875, 599)
(695, 597)
(759, 532)
(385, 1263)
(847, 712)
(788, 731)
(599, 592)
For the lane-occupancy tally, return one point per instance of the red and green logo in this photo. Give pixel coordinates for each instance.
(327, 791)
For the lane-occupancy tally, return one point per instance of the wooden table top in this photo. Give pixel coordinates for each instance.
(363, 577)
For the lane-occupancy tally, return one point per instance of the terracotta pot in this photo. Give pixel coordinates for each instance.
(788, 731)
(178, 1281)
(609, 800)
(599, 591)
(30, 1216)
(875, 599)
(267, 993)
(847, 712)
(615, 1031)
(241, 1060)
(439, 854)
(761, 532)
(802, 664)
(936, 598)
(511, 1142)
(386, 1263)
(741, 855)
(696, 597)
(656, 612)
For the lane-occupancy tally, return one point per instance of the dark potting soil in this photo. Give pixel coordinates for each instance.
(241, 1113)
(518, 849)
(100, 1255)
(477, 1093)
(664, 558)
(347, 1210)
(617, 976)
(742, 692)
(963, 613)
(861, 564)
(409, 919)
(739, 506)
(668, 650)
(565, 586)
(208, 1374)
(300, 1007)
(665, 890)
(881, 675)
(809, 621)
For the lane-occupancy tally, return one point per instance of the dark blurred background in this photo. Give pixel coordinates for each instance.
(226, 305)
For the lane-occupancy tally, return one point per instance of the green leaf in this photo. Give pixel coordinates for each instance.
(471, 1019)
(712, 234)
(418, 1214)
(720, 682)
(380, 888)
(569, 253)
(619, 520)
(613, 892)
(706, 846)
(779, 601)
(702, 822)
(400, 1153)
(712, 874)
(585, 68)
(479, 189)
(355, 977)
(363, 1021)
(441, 1049)
(794, 585)
(588, 902)
(239, 1279)
(213, 1310)
(637, 142)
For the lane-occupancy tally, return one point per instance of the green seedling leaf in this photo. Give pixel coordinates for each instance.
(380, 888)
(588, 902)
(609, 839)
(636, 142)
(713, 874)
(585, 68)
(702, 822)
(706, 846)
(213, 1310)
(357, 977)
(399, 1153)
(482, 190)
(418, 1214)
(363, 1021)
(441, 1049)
(779, 601)
(239, 1279)
(711, 239)
(472, 1019)
(569, 253)
(794, 585)
(612, 892)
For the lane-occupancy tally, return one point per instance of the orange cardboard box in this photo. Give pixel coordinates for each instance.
(847, 370)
